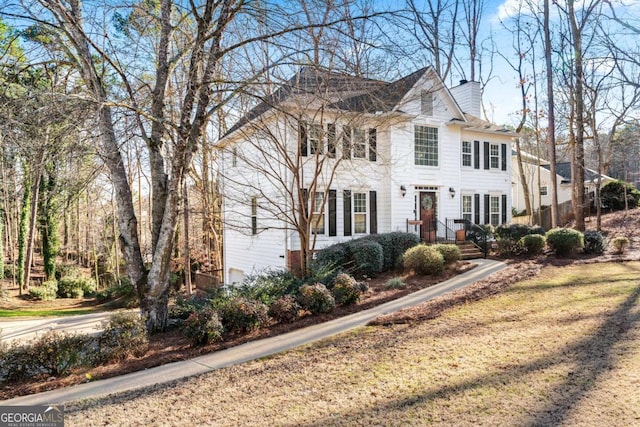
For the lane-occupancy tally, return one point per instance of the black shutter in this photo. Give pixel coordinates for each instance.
(302, 133)
(373, 145)
(476, 208)
(347, 212)
(487, 217)
(504, 208)
(503, 153)
(304, 205)
(346, 142)
(476, 154)
(332, 213)
(486, 155)
(373, 213)
(331, 140)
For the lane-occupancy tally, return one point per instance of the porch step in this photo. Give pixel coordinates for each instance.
(470, 251)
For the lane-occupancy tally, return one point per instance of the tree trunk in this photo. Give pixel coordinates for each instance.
(33, 213)
(187, 251)
(579, 117)
(552, 121)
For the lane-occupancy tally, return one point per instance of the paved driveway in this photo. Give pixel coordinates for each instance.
(27, 329)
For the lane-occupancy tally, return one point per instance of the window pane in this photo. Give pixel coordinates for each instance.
(360, 223)
(426, 146)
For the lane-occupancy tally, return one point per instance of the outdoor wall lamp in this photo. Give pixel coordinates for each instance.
(452, 192)
(403, 190)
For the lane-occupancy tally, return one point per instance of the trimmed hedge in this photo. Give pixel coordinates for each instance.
(368, 257)
(564, 241)
(423, 260)
(533, 243)
(347, 256)
(450, 253)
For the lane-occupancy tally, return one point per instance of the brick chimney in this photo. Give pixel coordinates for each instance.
(467, 95)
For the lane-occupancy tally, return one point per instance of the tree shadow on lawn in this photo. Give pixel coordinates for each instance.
(592, 357)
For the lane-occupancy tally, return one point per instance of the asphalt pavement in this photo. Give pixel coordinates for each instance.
(248, 351)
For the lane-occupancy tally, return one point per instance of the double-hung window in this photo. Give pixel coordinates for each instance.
(359, 144)
(467, 153)
(494, 156)
(494, 210)
(467, 207)
(360, 213)
(426, 146)
(317, 214)
(254, 216)
(315, 139)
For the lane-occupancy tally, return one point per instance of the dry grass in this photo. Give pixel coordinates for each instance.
(560, 349)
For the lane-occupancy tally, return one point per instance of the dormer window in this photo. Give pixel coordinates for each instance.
(426, 103)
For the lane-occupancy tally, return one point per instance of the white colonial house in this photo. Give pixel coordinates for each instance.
(537, 174)
(364, 157)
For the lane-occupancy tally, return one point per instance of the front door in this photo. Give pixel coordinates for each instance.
(428, 216)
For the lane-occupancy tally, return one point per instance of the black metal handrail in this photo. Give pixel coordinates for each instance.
(473, 233)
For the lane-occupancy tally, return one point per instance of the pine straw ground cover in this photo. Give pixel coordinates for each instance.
(562, 348)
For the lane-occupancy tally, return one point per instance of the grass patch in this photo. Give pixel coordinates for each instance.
(562, 349)
(46, 312)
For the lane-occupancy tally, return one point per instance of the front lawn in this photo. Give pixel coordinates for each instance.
(560, 349)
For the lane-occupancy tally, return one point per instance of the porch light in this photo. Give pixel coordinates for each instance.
(452, 192)
(403, 190)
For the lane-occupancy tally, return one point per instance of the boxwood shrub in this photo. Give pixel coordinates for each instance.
(450, 253)
(533, 244)
(564, 241)
(423, 260)
(367, 256)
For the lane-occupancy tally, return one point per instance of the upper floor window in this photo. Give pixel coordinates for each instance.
(315, 135)
(426, 103)
(254, 215)
(426, 146)
(544, 190)
(359, 143)
(494, 156)
(467, 153)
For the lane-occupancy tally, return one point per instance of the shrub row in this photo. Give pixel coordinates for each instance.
(57, 354)
(276, 295)
(369, 255)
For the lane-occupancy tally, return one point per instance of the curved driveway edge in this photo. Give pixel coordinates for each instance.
(254, 349)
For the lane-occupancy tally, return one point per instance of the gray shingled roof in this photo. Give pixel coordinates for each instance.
(342, 91)
(563, 169)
